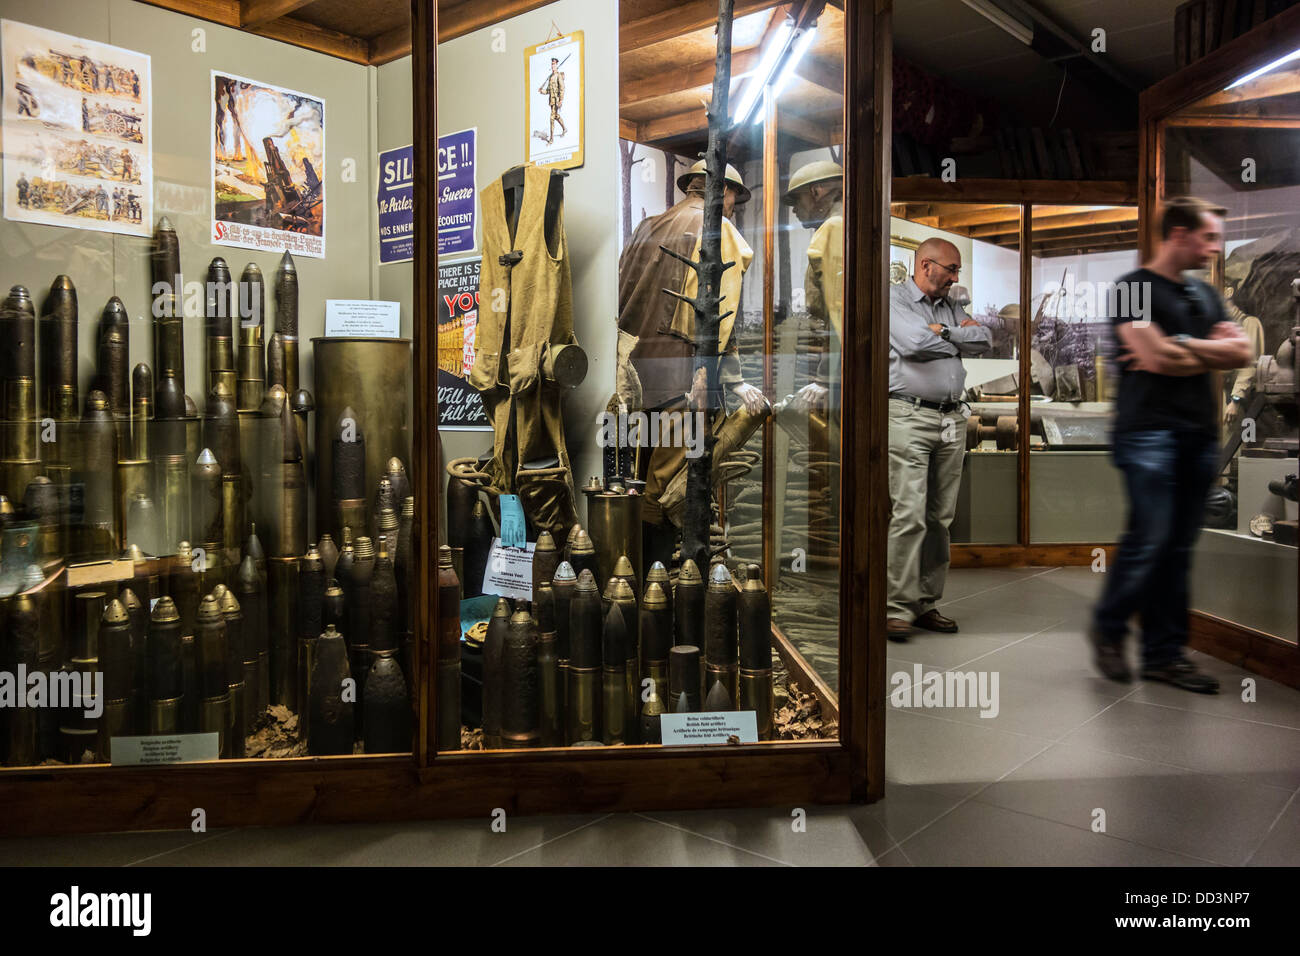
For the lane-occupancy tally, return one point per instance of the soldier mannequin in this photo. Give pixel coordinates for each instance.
(816, 194)
(553, 90)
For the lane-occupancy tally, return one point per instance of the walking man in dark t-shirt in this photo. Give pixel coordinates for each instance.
(1172, 332)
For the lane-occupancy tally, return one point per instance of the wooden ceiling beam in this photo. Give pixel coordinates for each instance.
(1268, 85)
(256, 13)
(463, 18)
(676, 21)
(1055, 191)
(1056, 223)
(627, 130)
(224, 12)
(668, 127)
(311, 37)
(678, 81)
(394, 44)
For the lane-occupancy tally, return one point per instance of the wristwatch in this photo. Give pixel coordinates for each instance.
(946, 334)
(1182, 338)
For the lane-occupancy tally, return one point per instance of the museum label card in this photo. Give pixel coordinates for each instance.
(173, 748)
(509, 571)
(363, 318)
(680, 730)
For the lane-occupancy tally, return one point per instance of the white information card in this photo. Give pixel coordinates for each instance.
(709, 728)
(175, 748)
(363, 318)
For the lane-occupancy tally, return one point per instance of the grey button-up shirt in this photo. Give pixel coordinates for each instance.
(921, 363)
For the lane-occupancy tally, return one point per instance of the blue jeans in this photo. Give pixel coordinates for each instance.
(1168, 475)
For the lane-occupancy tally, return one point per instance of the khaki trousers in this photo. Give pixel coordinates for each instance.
(926, 450)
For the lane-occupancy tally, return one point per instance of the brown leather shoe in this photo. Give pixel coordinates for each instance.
(897, 630)
(932, 620)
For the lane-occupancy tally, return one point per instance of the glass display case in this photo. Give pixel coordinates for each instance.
(404, 420)
(1228, 132)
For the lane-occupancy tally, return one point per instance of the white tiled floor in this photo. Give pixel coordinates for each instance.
(1177, 779)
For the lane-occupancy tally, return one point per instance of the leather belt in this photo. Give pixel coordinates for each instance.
(926, 403)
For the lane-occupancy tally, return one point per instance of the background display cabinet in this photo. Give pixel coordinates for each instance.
(1227, 129)
(420, 409)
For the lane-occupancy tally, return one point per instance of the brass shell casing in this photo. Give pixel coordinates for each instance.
(134, 478)
(214, 717)
(172, 483)
(118, 720)
(756, 694)
(688, 606)
(684, 676)
(583, 714)
(23, 637)
(20, 422)
(720, 635)
(614, 525)
(520, 713)
(614, 704)
(16, 475)
(494, 644)
(58, 351)
(282, 597)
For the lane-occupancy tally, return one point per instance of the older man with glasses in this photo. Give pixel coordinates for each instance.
(928, 335)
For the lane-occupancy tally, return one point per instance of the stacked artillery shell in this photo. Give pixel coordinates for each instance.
(113, 366)
(251, 592)
(720, 633)
(494, 645)
(290, 539)
(117, 661)
(58, 353)
(221, 435)
(213, 686)
(135, 470)
(206, 514)
(448, 688)
(218, 327)
(251, 382)
(311, 613)
(404, 568)
(193, 430)
(397, 478)
(302, 405)
(275, 361)
(651, 711)
(21, 648)
(233, 616)
(387, 707)
(333, 610)
(614, 524)
(519, 699)
(582, 555)
(615, 705)
(329, 554)
(563, 585)
(583, 699)
(138, 617)
(96, 461)
(19, 456)
(546, 558)
(332, 715)
(359, 609)
(684, 678)
(171, 467)
(282, 634)
(658, 574)
(77, 732)
(754, 611)
(286, 319)
(348, 450)
(688, 606)
(620, 592)
(383, 499)
(263, 452)
(185, 583)
(386, 525)
(477, 549)
(550, 711)
(166, 679)
(462, 496)
(570, 538)
(656, 639)
(383, 602)
(718, 699)
(168, 288)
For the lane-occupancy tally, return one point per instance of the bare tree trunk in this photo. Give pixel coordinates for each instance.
(626, 149)
(670, 175)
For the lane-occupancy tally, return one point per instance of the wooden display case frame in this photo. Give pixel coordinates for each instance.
(263, 792)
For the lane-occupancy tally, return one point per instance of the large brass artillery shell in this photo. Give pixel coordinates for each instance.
(291, 532)
(658, 574)
(252, 599)
(138, 617)
(166, 680)
(251, 381)
(20, 622)
(18, 332)
(41, 502)
(494, 644)
(233, 616)
(206, 521)
(383, 603)
(357, 566)
(332, 715)
(684, 677)
(477, 550)
(519, 699)
(688, 606)
(373, 377)
(210, 666)
(398, 479)
(546, 558)
(404, 569)
(615, 703)
(218, 313)
(286, 313)
(58, 351)
(348, 472)
(754, 613)
(117, 661)
(168, 292)
(282, 596)
(384, 500)
(614, 524)
(549, 705)
(619, 592)
(142, 393)
(582, 555)
(114, 358)
(311, 613)
(583, 697)
(448, 703)
(720, 651)
(96, 461)
(388, 708)
(564, 584)
(656, 639)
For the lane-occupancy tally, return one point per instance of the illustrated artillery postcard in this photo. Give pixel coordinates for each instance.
(268, 164)
(78, 134)
(553, 72)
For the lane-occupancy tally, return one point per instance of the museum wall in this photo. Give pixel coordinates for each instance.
(102, 265)
(485, 89)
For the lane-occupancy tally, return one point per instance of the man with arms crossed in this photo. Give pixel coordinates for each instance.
(1172, 334)
(928, 335)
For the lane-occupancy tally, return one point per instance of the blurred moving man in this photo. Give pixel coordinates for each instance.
(928, 335)
(1172, 331)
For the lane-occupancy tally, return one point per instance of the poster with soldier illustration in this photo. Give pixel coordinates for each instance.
(78, 132)
(268, 167)
(554, 115)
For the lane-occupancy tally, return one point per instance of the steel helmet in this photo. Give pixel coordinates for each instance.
(733, 177)
(818, 171)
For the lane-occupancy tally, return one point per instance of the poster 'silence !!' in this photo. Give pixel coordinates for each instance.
(268, 167)
(78, 134)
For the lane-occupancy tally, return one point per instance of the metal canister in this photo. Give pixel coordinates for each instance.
(494, 644)
(684, 677)
(233, 616)
(754, 612)
(282, 636)
(373, 377)
(720, 650)
(332, 711)
(614, 524)
(448, 687)
(615, 705)
(520, 711)
(550, 715)
(214, 688)
(166, 680)
(477, 550)
(388, 708)
(41, 502)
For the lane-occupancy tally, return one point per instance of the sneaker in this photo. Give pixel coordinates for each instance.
(1182, 673)
(1108, 655)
